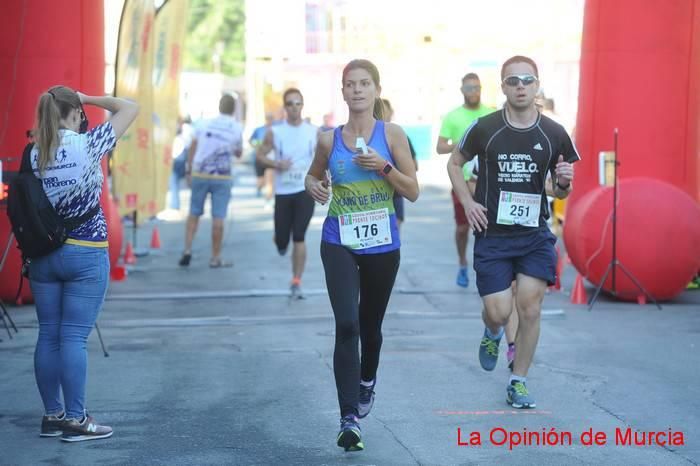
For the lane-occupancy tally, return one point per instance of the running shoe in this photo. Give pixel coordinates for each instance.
(350, 435)
(52, 426)
(366, 400)
(75, 430)
(510, 355)
(518, 397)
(463, 277)
(488, 351)
(295, 290)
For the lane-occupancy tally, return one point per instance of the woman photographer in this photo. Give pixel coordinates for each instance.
(69, 284)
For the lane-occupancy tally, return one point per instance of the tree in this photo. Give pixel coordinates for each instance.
(215, 36)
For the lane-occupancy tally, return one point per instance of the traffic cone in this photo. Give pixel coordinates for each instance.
(129, 257)
(641, 299)
(155, 238)
(118, 273)
(578, 293)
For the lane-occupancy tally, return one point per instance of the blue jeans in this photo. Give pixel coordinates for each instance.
(174, 189)
(69, 287)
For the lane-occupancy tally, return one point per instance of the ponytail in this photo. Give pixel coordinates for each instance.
(48, 117)
(378, 110)
(54, 104)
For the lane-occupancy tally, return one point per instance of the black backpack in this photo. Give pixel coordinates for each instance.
(38, 228)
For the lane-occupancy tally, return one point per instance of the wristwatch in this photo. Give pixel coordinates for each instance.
(387, 168)
(562, 187)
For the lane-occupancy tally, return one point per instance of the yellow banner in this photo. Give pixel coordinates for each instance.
(133, 167)
(169, 37)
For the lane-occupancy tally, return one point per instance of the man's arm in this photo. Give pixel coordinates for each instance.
(563, 175)
(443, 143)
(238, 145)
(562, 192)
(264, 148)
(444, 146)
(475, 212)
(190, 156)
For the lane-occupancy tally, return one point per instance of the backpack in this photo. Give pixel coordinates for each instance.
(38, 228)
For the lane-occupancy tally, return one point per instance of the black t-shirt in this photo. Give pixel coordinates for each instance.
(515, 161)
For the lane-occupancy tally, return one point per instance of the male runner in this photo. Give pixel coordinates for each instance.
(453, 127)
(516, 147)
(294, 143)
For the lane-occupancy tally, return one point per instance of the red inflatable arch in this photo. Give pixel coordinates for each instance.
(640, 73)
(44, 42)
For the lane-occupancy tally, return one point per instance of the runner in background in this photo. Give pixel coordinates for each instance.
(209, 172)
(294, 143)
(264, 175)
(453, 127)
(398, 199)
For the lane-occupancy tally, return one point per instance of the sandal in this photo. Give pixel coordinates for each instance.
(185, 259)
(218, 263)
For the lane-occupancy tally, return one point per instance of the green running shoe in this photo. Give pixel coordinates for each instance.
(350, 435)
(488, 351)
(518, 397)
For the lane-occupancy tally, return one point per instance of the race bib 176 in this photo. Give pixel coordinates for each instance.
(362, 230)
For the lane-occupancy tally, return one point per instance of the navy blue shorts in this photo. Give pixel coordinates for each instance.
(498, 259)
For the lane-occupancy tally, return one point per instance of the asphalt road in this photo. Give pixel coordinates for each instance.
(219, 367)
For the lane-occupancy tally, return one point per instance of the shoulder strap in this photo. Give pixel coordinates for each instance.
(69, 223)
(74, 222)
(26, 164)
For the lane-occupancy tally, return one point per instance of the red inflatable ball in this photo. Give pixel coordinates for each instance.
(575, 215)
(658, 237)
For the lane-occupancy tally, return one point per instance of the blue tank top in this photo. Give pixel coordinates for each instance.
(361, 205)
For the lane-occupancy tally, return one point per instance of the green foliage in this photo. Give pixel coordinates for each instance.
(216, 27)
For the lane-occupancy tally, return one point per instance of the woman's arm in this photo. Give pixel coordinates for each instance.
(403, 176)
(316, 182)
(123, 111)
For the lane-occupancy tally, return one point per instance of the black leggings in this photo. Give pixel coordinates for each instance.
(293, 213)
(359, 287)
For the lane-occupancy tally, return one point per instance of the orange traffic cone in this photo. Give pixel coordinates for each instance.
(641, 299)
(155, 239)
(129, 257)
(578, 293)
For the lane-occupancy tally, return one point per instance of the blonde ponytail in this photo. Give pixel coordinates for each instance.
(48, 117)
(54, 104)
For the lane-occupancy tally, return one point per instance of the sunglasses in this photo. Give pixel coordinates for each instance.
(514, 79)
(293, 103)
(468, 88)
